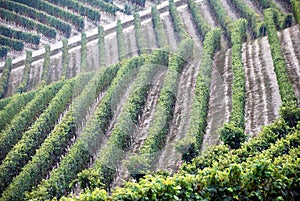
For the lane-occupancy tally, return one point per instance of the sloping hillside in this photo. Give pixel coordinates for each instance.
(148, 92)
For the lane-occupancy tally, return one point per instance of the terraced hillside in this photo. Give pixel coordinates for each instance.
(148, 92)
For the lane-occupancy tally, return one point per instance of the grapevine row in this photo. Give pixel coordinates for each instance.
(178, 26)
(296, 8)
(163, 114)
(21, 122)
(33, 138)
(122, 135)
(158, 28)
(79, 7)
(13, 108)
(28, 23)
(12, 43)
(54, 146)
(120, 41)
(24, 10)
(23, 87)
(88, 142)
(20, 35)
(285, 87)
(107, 7)
(202, 27)
(196, 131)
(55, 11)
(101, 45)
(140, 39)
(4, 80)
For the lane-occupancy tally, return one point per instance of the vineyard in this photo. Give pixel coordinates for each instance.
(156, 100)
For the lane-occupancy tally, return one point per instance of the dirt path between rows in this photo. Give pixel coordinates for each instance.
(169, 158)
(220, 98)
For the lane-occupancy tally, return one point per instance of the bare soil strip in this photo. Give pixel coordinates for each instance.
(141, 132)
(205, 9)
(230, 10)
(149, 35)
(291, 51)
(130, 42)
(111, 49)
(220, 98)
(167, 23)
(170, 159)
(262, 94)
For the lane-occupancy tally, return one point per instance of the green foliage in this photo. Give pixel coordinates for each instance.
(89, 141)
(263, 172)
(252, 17)
(178, 26)
(65, 72)
(121, 41)
(79, 7)
(38, 132)
(285, 87)
(223, 17)
(123, 132)
(46, 66)
(159, 29)
(83, 54)
(238, 33)
(232, 136)
(20, 35)
(107, 7)
(28, 23)
(3, 51)
(23, 87)
(56, 11)
(164, 110)
(201, 99)
(4, 102)
(24, 10)
(296, 8)
(12, 108)
(5, 77)
(202, 27)
(101, 45)
(140, 39)
(53, 147)
(12, 43)
(27, 115)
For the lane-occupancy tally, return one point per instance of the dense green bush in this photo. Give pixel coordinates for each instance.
(5, 77)
(107, 7)
(3, 51)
